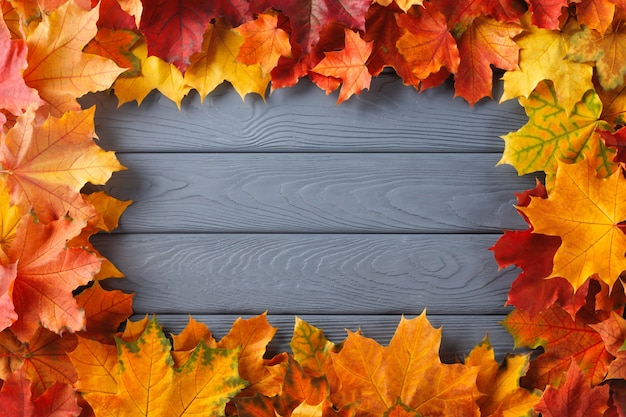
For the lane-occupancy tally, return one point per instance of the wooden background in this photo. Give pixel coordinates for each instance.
(348, 216)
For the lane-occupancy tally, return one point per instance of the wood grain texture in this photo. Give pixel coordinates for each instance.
(318, 193)
(390, 117)
(309, 274)
(459, 335)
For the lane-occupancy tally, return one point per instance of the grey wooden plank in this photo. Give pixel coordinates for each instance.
(459, 335)
(389, 117)
(309, 274)
(317, 193)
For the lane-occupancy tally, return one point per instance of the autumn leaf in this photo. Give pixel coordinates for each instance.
(10, 217)
(309, 17)
(349, 65)
(116, 45)
(15, 95)
(613, 332)
(595, 14)
(16, 399)
(617, 141)
(592, 242)
(500, 383)
(563, 339)
(546, 13)
(427, 45)
(47, 164)
(551, 135)
(8, 273)
(264, 42)
(173, 29)
(155, 74)
(575, 398)
(56, 66)
(486, 42)
(376, 377)
(104, 310)
(145, 381)
(404, 5)
(543, 57)
(613, 104)
(311, 349)
(47, 273)
(218, 63)
(607, 50)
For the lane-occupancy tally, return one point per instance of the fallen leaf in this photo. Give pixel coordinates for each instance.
(546, 14)
(264, 42)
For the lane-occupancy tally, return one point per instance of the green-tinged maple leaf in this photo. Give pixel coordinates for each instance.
(563, 339)
(551, 135)
(265, 42)
(409, 369)
(543, 57)
(486, 42)
(145, 382)
(217, 62)
(608, 50)
(47, 164)
(500, 383)
(349, 65)
(57, 67)
(575, 397)
(584, 211)
(310, 348)
(15, 95)
(427, 45)
(16, 399)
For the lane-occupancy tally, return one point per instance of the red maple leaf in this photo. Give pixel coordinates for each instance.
(546, 13)
(174, 29)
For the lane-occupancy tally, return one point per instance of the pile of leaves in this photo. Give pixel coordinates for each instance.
(61, 351)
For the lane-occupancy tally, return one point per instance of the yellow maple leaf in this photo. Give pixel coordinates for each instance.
(155, 74)
(218, 63)
(500, 383)
(585, 212)
(57, 67)
(408, 370)
(543, 57)
(10, 217)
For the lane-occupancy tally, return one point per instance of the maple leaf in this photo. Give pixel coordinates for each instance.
(218, 62)
(404, 5)
(613, 332)
(563, 339)
(543, 57)
(376, 377)
(47, 273)
(500, 383)
(487, 42)
(16, 399)
(113, 18)
(144, 381)
(104, 310)
(56, 66)
(311, 349)
(155, 73)
(309, 17)
(575, 398)
(546, 14)
(551, 135)
(592, 242)
(15, 95)
(10, 217)
(116, 45)
(427, 45)
(47, 164)
(8, 273)
(595, 14)
(173, 29)
(617, 141)
(382, 29)
(613, 104)
(264, 42)
(607, 50)
(349, 65)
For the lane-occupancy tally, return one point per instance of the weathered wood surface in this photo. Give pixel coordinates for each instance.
(348, 216)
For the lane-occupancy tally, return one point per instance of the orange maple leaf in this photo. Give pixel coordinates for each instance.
(585, 211)
(265, 42)
(47, 164)
(47, 273)
(408, 370)
(57, 67)
(349, 65)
